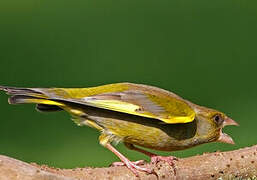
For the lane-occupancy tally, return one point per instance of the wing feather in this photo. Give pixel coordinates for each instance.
(169, 110)
(136, 99)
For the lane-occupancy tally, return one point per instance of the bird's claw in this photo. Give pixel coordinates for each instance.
(138, 163)
(169, 159)
(134, 166)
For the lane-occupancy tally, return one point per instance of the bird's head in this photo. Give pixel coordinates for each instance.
(210, 123)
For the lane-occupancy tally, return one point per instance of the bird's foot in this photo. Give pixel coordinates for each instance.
(134, 166)
(138, 163)
(169, 159)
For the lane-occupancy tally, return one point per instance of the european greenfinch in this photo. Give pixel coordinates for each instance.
(134, 114)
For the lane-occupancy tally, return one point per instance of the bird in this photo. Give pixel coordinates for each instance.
(136, 114)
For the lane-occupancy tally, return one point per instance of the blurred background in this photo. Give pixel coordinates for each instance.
(205, 51)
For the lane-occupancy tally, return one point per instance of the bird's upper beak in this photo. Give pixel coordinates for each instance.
(229, 122)
(223, 136)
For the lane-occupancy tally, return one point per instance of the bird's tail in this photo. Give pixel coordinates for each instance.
(31, 95)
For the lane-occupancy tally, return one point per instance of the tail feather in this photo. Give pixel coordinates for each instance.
(20, 99)
(30, 95)
(23, 99)
(18, 91)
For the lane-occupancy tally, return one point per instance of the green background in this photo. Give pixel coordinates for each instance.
(205, 51)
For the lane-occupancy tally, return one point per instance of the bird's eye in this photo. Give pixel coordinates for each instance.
(218, 119)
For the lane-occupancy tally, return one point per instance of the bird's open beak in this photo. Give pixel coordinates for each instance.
(223, 136)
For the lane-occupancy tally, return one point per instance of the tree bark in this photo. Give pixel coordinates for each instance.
(238, 164)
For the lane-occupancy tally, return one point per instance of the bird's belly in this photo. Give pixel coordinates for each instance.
(149, 133)
(153, 138)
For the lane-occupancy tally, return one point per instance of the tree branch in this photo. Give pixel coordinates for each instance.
(238, 164)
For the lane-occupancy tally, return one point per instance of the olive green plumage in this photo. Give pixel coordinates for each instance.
(136, 114)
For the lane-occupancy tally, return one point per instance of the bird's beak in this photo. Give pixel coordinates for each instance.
(223, 136)
(229, 122)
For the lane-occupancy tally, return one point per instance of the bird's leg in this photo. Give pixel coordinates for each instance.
(154, 157)
(104, 140)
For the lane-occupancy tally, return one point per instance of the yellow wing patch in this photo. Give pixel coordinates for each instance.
(119, 106)
(115, 105)
(134, 109)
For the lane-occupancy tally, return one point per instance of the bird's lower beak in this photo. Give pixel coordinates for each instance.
(224, 138)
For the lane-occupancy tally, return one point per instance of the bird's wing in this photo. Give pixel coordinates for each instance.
(167, 109)
(135, 99)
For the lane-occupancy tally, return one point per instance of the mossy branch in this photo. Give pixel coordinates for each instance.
(238, 164)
